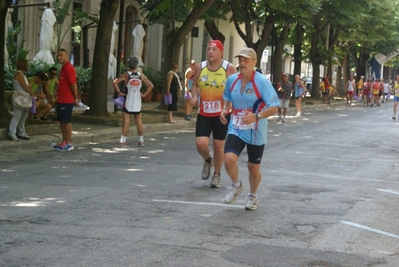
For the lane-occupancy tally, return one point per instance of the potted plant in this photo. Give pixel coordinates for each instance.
(83, 76)
(157, 79)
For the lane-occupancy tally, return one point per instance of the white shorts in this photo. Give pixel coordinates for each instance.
(284, 103)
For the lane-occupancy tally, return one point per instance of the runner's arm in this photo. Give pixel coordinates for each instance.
(147, 83)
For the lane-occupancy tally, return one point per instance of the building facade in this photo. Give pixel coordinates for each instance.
(81, 45)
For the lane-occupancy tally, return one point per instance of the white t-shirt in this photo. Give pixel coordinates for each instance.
(386, 88)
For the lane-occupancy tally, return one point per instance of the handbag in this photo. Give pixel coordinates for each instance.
(120, 101)
(167, 99)
(33, 107)
(187, 95)
(21, 100)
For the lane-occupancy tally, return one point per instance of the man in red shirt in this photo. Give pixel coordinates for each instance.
(67, 94)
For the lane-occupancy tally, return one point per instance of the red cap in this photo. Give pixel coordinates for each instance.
(216, 43)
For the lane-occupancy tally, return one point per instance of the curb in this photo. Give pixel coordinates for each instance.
(89, 134)
(106, 129)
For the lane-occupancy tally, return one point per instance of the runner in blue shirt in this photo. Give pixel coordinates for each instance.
(250, 98)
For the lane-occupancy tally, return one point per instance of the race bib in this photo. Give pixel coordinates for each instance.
(237, 115)
(212, 106)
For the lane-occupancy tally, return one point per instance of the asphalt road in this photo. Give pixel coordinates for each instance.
(329, 197)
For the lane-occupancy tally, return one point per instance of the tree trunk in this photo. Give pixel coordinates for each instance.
(99, 81)
(5, 116)
(361, 64)
(345, 70)
(213, 31)
(175, 39)
(278, 53)
(315, 56)
(316, 80)
(338, 80)
(245, 8)
(299, 33)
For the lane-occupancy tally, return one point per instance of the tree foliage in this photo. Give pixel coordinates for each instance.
(168, 12)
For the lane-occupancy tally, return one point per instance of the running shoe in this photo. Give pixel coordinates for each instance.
(67, 147)
(283, 120)
(252, 203)
(278, 119)
(394, 118)
(120, 145)
(206, 170)
(231, 196)
(140, 144)
(215, 183)
(61, 144)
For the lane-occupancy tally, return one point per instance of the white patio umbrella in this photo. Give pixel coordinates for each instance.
(112, 59)
(138, 46)
(46, 37)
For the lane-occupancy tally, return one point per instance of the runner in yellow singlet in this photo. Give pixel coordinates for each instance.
(208, 86)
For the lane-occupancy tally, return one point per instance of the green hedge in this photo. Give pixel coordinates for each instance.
(83, 75)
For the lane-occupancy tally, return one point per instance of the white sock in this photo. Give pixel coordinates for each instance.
(141, 138)
(236, 185)
(123, 139)
(250, 194)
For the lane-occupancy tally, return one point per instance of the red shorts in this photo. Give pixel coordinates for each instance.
(349, 92)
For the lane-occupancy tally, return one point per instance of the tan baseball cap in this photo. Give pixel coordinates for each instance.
(247, 53)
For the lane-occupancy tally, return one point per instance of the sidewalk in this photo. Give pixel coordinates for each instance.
(92, 129)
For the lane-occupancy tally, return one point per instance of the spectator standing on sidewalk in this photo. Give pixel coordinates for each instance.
(284, 90)
(208, 85)
(188, 84)
(20, 83)
(67, 97)
(395, 89)
(252, 99)
(133, 80)
(300, 90)
(173, 87)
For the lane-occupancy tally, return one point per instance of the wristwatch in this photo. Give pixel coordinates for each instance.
(258, 116)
